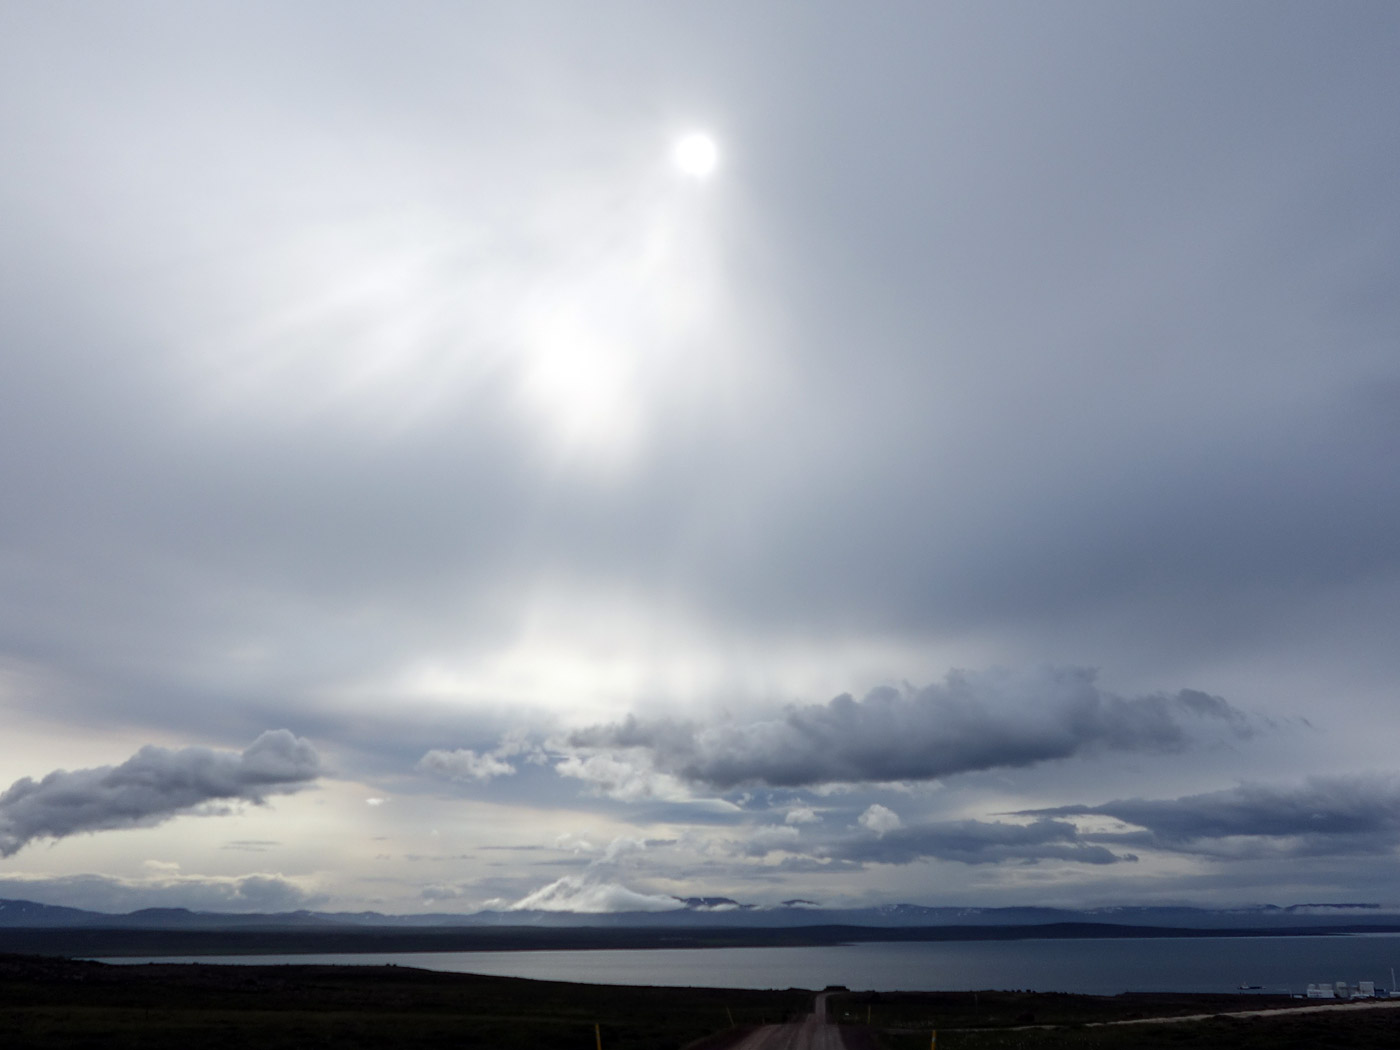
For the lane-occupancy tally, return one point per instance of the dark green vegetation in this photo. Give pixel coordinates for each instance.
(48, 1003)
(1011, 1020)
(114, 941)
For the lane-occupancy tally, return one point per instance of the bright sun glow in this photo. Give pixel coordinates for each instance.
(696, 155)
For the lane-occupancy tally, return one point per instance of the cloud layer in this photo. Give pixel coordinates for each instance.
(152, 786)
(404, 394)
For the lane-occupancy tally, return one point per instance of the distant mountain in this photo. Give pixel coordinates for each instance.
(710, 912)
(27, 913)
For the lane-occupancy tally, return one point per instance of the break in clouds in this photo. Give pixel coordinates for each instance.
(152, 786)
(966, 723)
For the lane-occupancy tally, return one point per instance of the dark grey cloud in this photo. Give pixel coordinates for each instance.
(966, 723)
(152, 786)
(1324, 816)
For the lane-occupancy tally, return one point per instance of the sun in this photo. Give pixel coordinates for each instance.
(696, 155)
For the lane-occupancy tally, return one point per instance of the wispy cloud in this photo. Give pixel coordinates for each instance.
(464, 764)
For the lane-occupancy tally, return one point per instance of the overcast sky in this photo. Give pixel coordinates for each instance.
(419, 492)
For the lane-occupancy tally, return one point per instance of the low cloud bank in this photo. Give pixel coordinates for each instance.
(263, 892)
(966, 723)
(973, 842)
(1322, 816)
(880, 836)
(151, 787)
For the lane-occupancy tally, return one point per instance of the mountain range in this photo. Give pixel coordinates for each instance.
(714, 912)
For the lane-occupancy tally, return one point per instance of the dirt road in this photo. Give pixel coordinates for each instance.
(811, 1033)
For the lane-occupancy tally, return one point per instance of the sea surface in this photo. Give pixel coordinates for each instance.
(1100, 966)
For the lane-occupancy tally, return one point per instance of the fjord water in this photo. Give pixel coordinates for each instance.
(1097, 966)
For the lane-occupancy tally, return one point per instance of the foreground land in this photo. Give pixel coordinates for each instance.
(60, 1003)
(1009, 1020)
(49, 1003)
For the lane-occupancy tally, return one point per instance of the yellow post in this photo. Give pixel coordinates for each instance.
(932, 1043)
(598, 1035)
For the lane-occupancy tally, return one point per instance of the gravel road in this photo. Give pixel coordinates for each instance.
(811, 1033)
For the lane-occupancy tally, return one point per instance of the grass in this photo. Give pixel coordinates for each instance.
(49, 1004)
(1002, 1020)
(1379, 1030)
(999, 1009)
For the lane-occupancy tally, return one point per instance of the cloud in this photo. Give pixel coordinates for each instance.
(622, 776)
(436, 892)
(769, 838)
(882, 837)
(967, 722)
(464, 764)
(879, 819)
(802, 815)
(507, 425)
(152, 786)
(259, 892)
(969, 842)
(1321, 816)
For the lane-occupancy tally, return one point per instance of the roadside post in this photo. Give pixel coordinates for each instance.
(598, 1035)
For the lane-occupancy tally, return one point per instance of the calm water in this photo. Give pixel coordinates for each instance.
(1096, 967)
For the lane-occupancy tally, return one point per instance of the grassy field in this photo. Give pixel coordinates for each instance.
(1378, 1030)
(58, 1003)
(1001, 1009)
(1012, 1020)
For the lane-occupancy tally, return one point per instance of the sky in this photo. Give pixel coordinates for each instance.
(974, 481)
